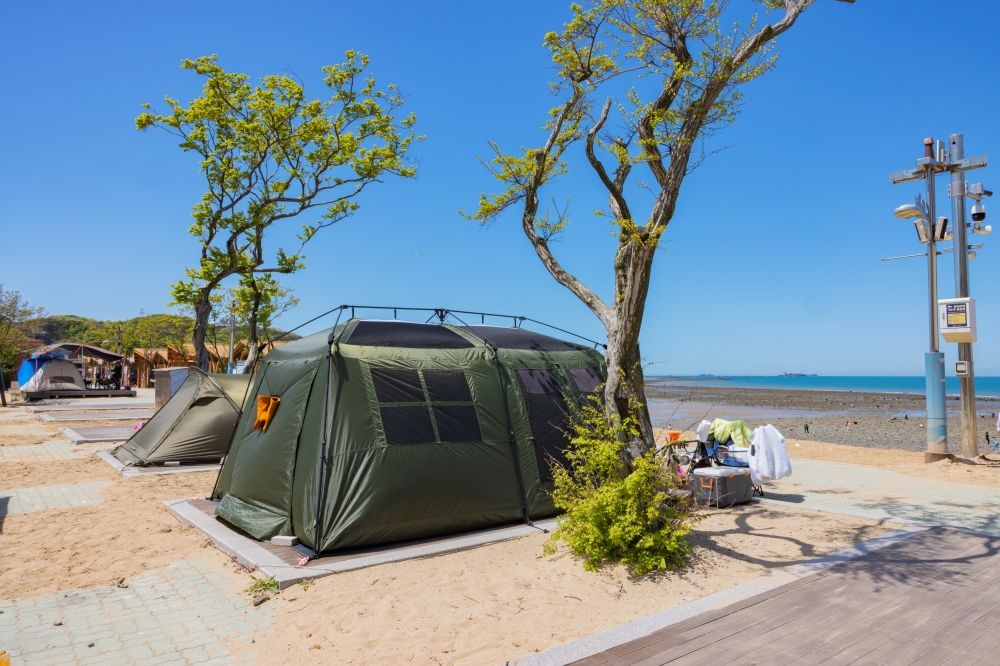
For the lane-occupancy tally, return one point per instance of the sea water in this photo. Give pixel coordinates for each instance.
(985, 386)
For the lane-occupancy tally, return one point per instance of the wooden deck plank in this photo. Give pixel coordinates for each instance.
(859, 598)
(848, 625)
(930, 635)
(957, 597)
(959, 641)
(934, 596)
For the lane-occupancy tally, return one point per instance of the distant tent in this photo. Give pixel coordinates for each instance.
(48, 373)
(194, 426)
(427, 429)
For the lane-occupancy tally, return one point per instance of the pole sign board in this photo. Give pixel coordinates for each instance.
(957, 319)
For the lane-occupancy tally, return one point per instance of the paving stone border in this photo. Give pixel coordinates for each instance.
(253, 555)
(130, 472)
(42, 498)
(183, 613)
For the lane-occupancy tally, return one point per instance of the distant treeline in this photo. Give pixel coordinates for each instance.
(144, 332)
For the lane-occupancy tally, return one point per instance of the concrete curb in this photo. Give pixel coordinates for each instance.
(588, 646)
(250, 554)
(132, 472)
(112, 434)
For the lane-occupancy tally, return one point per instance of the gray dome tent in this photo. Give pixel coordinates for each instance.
(391, 430)
(195, 425)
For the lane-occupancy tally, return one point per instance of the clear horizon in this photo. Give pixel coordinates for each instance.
(774, 253)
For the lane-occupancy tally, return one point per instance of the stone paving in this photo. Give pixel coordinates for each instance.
(40, 498)
(876, 493)
(57, 449)
(16, 429)
(184, 613)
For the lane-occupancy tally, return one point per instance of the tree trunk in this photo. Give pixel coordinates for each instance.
(253, 341)
(202, 311)
(625, 393)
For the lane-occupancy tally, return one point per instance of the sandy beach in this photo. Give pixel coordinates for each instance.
(484, 605)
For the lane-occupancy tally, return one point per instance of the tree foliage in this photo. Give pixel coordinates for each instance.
(17, 318)
(269, 154)
(258, 301)
(635, 518)
(673, 70)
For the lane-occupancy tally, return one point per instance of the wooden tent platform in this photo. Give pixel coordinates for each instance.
(89, 393)
(933, 598)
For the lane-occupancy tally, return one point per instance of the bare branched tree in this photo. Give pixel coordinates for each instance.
(701, 67)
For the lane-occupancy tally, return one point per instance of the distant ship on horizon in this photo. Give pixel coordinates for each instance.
(795, 374)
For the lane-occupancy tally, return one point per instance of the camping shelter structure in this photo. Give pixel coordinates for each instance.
(58, 371)
(194, 426)
(389, 431)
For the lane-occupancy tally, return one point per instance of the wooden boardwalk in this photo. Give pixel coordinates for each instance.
(932, 599)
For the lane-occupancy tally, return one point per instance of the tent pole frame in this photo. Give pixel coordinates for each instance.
(321, 481)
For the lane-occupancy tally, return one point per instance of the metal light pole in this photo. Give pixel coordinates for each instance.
(970, 441)
(956, 164)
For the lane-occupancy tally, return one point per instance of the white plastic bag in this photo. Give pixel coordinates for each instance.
(768, 456)
(705, 426)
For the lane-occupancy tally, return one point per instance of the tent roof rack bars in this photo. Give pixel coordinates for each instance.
(441, 314)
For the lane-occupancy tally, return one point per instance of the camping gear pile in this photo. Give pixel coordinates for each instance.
(731, 462)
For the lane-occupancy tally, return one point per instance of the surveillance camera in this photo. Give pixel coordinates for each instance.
(978, 212)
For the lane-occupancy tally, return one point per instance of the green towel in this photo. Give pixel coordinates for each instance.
(723, 431)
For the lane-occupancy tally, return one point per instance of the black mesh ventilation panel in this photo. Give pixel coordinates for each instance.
(522, 338)
(406, 334)
(547, 418)
(585, 383)
(425, 406)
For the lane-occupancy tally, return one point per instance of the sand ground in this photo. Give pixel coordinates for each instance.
(484, 605)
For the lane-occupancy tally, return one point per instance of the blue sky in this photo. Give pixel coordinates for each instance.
(774, 251)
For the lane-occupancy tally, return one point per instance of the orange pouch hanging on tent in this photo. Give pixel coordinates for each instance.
(267, 405)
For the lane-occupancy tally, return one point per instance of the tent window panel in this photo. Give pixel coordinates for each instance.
(397, 386)
(407, 425)
(447, 386)
(457, 423)
(548, 419)
(537, 381)
(586, 379)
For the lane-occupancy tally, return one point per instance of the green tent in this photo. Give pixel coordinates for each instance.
(194, 426)
(391, 430)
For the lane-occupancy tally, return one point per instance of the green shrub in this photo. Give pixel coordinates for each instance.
(262, 585)
(613, 514)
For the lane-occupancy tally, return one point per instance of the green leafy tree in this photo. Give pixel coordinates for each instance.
(259, 300)
(639, 519)
(696, 68)
(16, 319)
(269, 154)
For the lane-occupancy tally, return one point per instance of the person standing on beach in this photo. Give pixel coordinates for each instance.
(807, 428)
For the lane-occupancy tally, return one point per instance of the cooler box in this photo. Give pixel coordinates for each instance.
(721, 486)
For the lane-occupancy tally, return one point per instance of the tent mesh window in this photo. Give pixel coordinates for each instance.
(585, 382)
(547, 418)
(521, 338)
(406, 334)
(425, 406)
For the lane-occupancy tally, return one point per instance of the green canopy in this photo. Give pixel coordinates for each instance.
(390, 430)
(195, 425)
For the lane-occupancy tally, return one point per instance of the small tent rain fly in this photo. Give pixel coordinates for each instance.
(47, 373)
(389, 430)
(195, 425)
